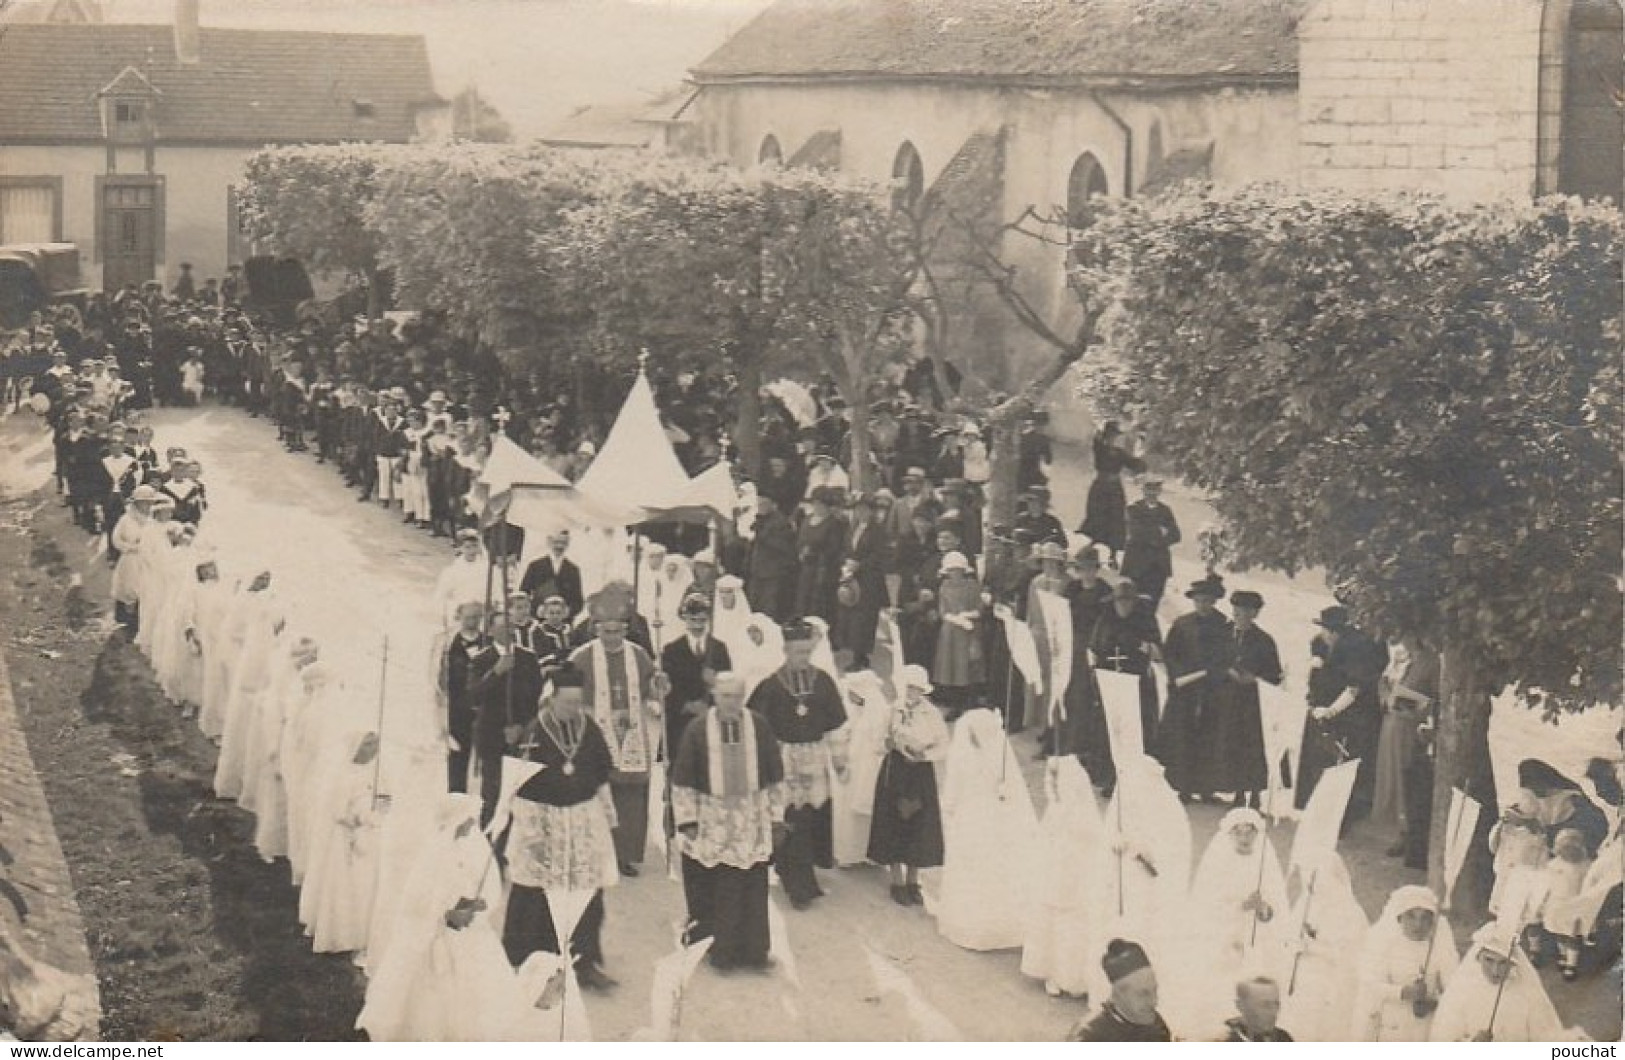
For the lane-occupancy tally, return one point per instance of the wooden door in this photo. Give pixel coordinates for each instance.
(130, 234)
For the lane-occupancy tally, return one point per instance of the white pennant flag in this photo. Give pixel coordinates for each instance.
(1120, 701)
(1322, 820)
(1458, 837)
(567, 907)
(1023, 650)
(672, 973)
(929, 1024)
(655, 830)
(1058, 633)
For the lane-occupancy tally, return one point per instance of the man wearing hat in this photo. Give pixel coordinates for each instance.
(1088, 597)
(1130, 1013)
(389, 445)
(728, 804)
(1036, 518)
(1126, 640)
(691, 662)
(1152, 534)
(803, 706)
(1233, 734)
(623, 692)
(1199, 652)
(505, 683)
(1345, 715)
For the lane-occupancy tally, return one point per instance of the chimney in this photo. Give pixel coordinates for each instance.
(187, 45)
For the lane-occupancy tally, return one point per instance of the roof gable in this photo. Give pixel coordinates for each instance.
(1032, 41)
(250, 86)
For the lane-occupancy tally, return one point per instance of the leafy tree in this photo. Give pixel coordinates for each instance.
(1423, 400)
(310, 203)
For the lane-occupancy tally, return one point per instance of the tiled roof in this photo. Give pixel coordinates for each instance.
(249, 86)
(624, 123)
(1037, 41)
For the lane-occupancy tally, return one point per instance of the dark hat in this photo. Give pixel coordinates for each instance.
(1126, 590)
(1248, 599)
(568, 675)
(1123, 959)
(799, 630)
(1086, 557)
(831, 495)
(694, 605)
(1335, 619)
(1210, 587)
(612, 603)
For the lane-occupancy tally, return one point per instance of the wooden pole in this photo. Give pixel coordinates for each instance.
(378, 755)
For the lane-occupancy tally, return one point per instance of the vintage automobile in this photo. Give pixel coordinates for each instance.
(34, 275)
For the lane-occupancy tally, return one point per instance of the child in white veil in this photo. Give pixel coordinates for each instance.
(990, 833)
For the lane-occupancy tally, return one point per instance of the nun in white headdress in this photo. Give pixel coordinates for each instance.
(823, 656)
(761, 650)
(730, 612)
(1408, 957)
(989, 832)
(1495, 995)
(1065, 931)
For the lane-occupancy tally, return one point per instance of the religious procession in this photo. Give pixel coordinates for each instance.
(935, 524)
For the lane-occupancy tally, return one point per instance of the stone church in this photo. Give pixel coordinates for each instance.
(992, 108)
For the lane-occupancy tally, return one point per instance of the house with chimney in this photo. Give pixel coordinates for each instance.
(981, 110)
(128, 140)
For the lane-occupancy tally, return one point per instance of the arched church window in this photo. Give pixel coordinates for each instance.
(770, 154)
(1088, 181)
(908, 179)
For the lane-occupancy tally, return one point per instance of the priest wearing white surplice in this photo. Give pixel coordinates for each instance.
(623, 693)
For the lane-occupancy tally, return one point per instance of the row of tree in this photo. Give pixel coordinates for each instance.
(558, 259)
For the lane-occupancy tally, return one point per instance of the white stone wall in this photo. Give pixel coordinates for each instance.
(1440, 95)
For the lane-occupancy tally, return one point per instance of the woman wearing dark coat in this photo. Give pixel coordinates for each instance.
(1105, 519)
(820, 544)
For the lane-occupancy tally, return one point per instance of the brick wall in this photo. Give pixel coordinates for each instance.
(1441, 95)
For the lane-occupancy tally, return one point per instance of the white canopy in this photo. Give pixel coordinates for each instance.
(637, 473)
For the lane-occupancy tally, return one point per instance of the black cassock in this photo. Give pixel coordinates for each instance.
(528, 927)
(1084, 726)
(803, 719)
(1196, 644)
(1233, 736)
(727, 903)
(1119, 645)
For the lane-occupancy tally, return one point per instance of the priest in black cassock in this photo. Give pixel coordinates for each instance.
(1126, 640)
(555, 573)
(1199, 652)
(803, 705)
(1234, 733)
(728, 803)
(561, 839)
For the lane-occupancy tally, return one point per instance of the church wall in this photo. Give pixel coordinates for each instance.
(1398, 94)
(1253, 132)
